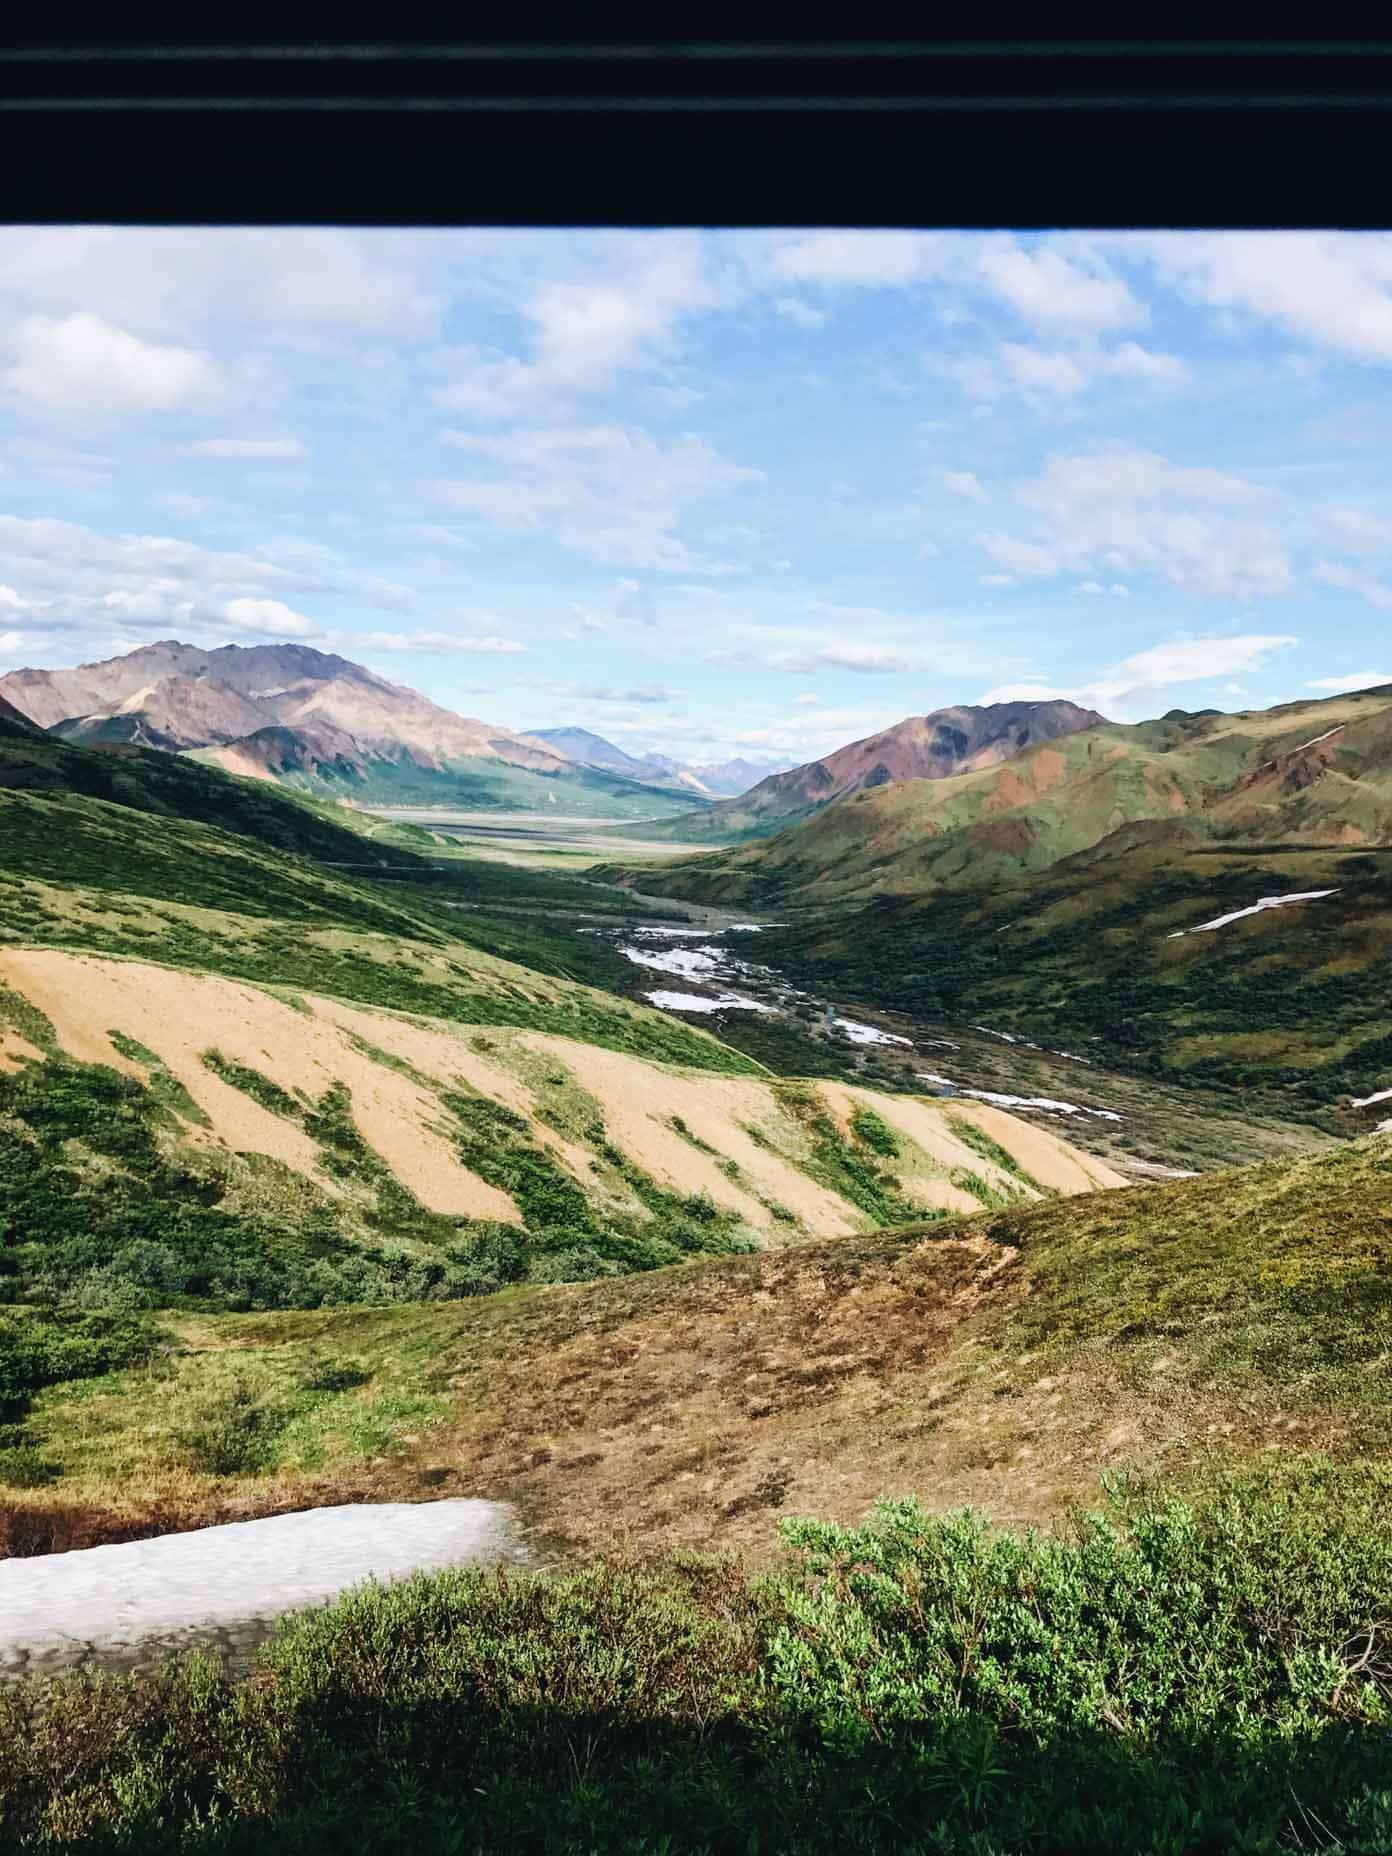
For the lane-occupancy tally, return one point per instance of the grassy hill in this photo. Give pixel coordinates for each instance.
(1286, 1009)
(1002, 1359)
(927, 747)
(1304, 772)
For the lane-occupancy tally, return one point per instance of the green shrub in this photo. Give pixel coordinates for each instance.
(23, 1466)
(331, 1375)
(38, 1350)
(871, 1128)
(232, 1434)
(1170, 1677)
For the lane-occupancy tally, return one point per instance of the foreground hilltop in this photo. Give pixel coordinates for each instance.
(319, 721)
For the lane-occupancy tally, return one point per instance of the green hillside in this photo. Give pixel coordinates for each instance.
(1309, 771)
(173, 786)
(1179, 1667)
(1287, 1009)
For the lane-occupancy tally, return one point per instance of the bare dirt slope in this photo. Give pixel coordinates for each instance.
(735, 1140)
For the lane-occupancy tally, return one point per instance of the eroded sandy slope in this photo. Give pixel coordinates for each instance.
(732, 1138)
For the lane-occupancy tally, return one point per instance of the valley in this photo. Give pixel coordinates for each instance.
(502, 1167)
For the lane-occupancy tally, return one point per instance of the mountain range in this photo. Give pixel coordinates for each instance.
(949, 741)
(721, 779)
(316, 720)
(1306, 772)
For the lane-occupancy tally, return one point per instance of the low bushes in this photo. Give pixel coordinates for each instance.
(1171, 1676)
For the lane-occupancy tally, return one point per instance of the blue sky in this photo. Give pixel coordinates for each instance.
(713, 493)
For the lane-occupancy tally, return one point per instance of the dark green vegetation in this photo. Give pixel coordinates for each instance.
(1287, 1010)
(1166, 1676)
(99, 1207)
(98, 1210)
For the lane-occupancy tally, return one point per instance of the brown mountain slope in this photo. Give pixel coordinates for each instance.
(1307, 772)
(175, 712)
(922, 747)
(337, 724)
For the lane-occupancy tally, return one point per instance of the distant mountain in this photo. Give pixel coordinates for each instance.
(288, 712)
(1305, 773)
(729, 778)
(720, 779)
(591, 750)
(923, 747)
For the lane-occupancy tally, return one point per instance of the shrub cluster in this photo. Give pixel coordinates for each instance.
(1173, 1676)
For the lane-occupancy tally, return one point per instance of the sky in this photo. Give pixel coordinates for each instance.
(710, 493)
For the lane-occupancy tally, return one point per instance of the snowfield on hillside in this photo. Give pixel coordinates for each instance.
(1256, 908)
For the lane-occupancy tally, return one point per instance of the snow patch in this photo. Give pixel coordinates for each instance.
(1003, 1035)
(243, 1570)
(699, 1002)
(868, 1034)
(687, 963)
(1266, 902)
(1379, 1095)
(1051, 1104)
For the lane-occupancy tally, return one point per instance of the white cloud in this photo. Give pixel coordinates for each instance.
(646, 693)
(1045, 286)
(167, 282)
(857, 258)
(269, 616)
(964, 483)
(432, 641)
(842, 654)
(251, 450)
(1199, 529)
(794, 310)
(1035, 371)
(1366, 534)
(1351, 680)
(1333, 288)
(585, 332)
(437, 535)
(1354, 580)
(807, 700)
(607, 491)
(1143, 364)
(78, 579)
(84, 363)
(1135, 685)
(998, 580)
(1047, 377)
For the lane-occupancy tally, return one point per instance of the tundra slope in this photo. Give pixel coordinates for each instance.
(1303, 773)
(927, 747)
